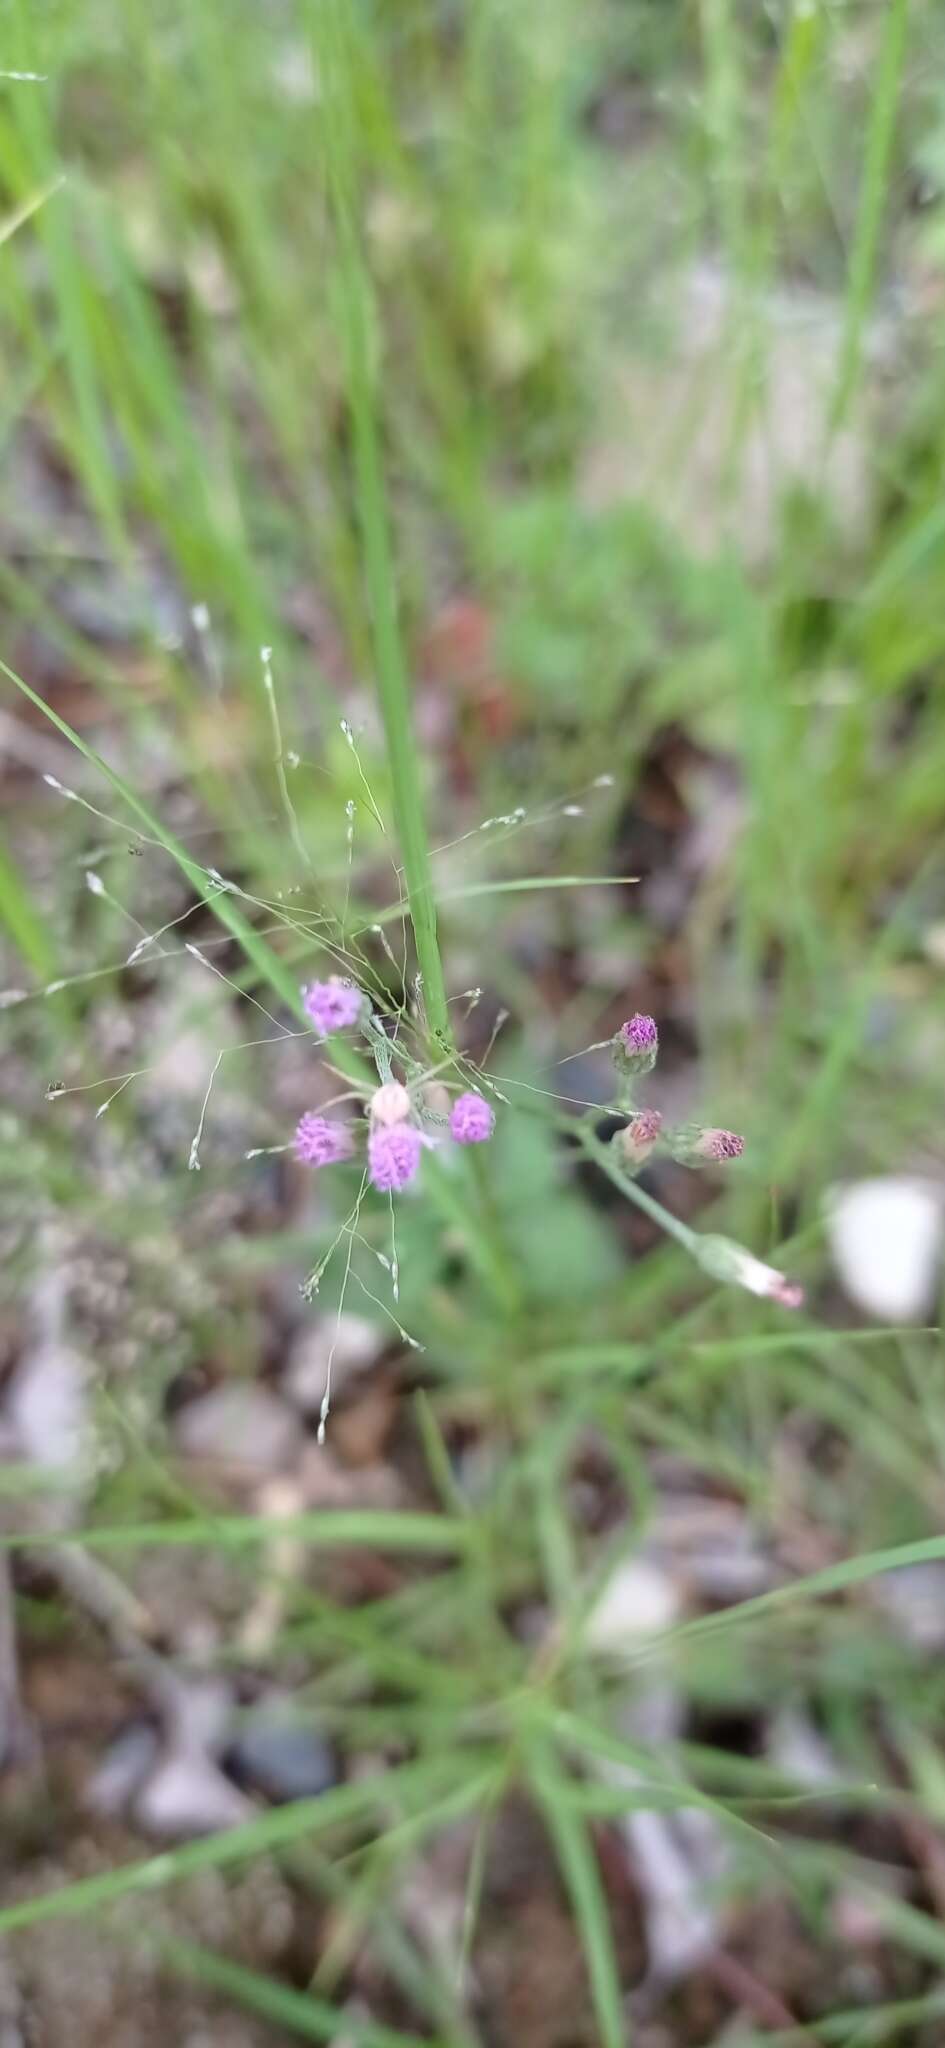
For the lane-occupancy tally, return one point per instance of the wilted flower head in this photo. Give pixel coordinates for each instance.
(320, 1142)
(636, 1044)
(393, 1155)
(636, 1140)
(333, 1005)
(390, 1104)
(726, 1260)
(472, 1119)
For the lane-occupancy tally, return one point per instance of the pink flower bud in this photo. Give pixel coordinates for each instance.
(636, 1044)
(637, 1139)
(695, 1145)
(718, 1145)
(390, 1104)
(726, 1260)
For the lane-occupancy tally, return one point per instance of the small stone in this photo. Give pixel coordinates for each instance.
(639, 1600)
(912, 1600)
(886, 1239)
(189, 1795)
(123, 1768)
(282, 1755)
(239, 1424)
(357, 1343)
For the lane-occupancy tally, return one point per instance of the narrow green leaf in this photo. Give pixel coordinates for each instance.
(581, 1874)
(313, 2019)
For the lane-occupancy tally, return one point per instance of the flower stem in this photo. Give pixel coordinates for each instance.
(602, 1156)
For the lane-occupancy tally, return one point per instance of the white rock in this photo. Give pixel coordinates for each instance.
(886, 1239)
(189, 1795)
(351, 1342)
(638, 1600)
(239, 1424)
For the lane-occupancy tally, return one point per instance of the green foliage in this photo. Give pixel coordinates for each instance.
(316, 317)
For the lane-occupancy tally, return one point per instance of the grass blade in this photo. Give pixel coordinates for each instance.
(380, 577)
(579, 1869)
(285, 1824)
(313, 2019)
(879, 141)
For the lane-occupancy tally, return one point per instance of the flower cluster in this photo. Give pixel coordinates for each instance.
(635, 1047)
(396, 1140)
(398, 1132)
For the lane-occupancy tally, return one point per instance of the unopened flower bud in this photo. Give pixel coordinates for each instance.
(390, 1104)
(636, 1045)
(697, 1146)
(636, 1140)
(726, 1260)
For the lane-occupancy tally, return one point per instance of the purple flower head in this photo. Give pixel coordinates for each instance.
(332, 1005)
(693, 1145)
(719, 1145)
(320, 1142)
(637, 1044)
(638, 1137)
(393, 1155)
(472, 1120)
(639, 1033)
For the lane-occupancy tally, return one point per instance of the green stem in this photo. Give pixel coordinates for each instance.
(393, 689)
(602, 1156)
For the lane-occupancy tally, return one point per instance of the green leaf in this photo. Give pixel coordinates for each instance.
(581, 1874)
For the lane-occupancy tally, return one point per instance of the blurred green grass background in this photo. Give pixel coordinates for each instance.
(654, 345)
